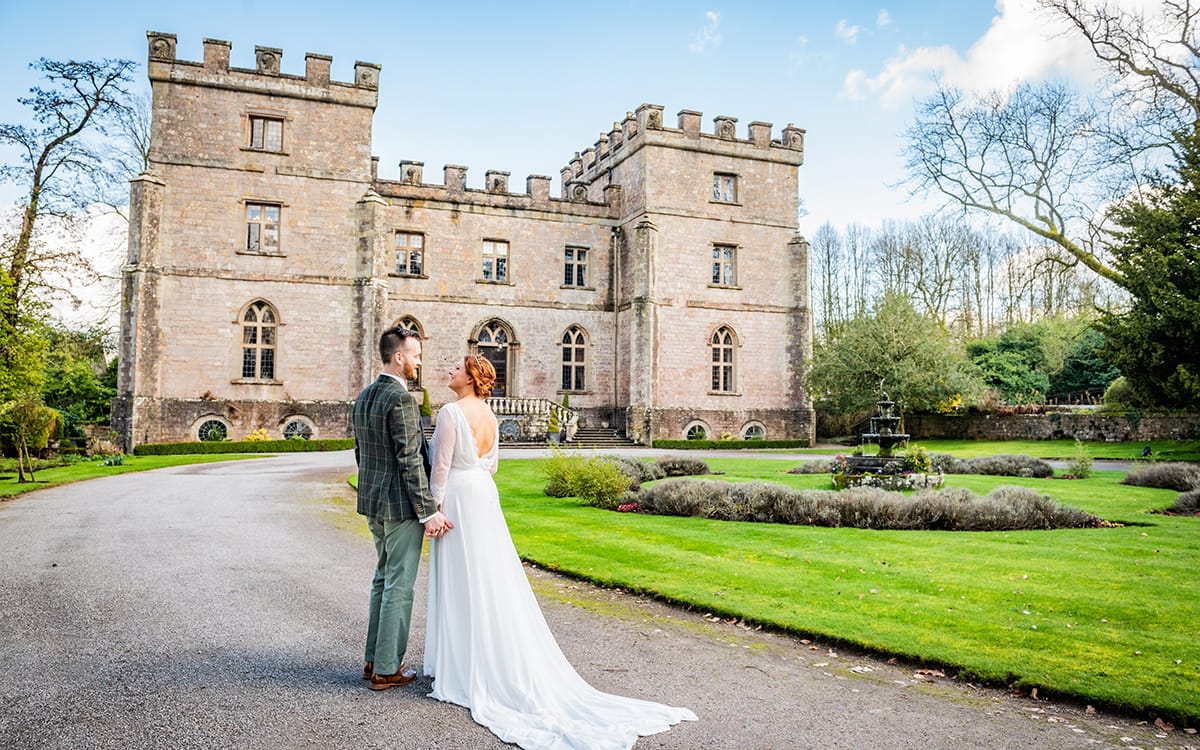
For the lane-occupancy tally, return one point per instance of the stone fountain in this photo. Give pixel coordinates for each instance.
(883, 469)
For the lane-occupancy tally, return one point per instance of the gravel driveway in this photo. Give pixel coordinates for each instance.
(223, 606)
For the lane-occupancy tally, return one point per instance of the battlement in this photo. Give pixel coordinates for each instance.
(495, 190)
(215, 71)
(645, 125)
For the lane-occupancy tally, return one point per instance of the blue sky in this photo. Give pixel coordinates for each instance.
(522, 86)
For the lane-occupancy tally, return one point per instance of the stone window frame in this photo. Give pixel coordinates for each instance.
(250, 222)
(495, 250)
(257, 347)
(758, 428)
(205, 422)
(723, 345)
(265, 116)
(697, 427)
(422, 252)
(573, 266)
(573, 343)
(726, 188)
(724, 265)
(307, 432)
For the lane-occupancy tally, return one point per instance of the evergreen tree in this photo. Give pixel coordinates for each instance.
(1156, 342)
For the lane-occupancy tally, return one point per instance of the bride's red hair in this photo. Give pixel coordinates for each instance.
(483, 375)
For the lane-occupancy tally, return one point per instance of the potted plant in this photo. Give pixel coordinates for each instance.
(552, 427)
(426, 411)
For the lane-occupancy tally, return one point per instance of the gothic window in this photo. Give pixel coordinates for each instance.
(266, 133)
(724, 265)
(262, 228)
(723, 365)
(258, 341)
(495, 260)
(724, 187)
(575, 266)
(212, 430)
(574, 359)
(410, 253)
(495, 343)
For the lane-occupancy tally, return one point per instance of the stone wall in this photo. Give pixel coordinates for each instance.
(1056, 426)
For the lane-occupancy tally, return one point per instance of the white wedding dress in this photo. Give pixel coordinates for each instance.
(487, 645)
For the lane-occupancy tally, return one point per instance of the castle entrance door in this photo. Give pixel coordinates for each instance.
(494, 344)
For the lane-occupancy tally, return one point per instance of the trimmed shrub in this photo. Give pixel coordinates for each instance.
(1005, 465)
(637, 470)
(1165, 476)
(597, 481)
(946, 464)
(680, 466)
(1187, 502)
(1003, 509)
(818, 466)
(228, 446)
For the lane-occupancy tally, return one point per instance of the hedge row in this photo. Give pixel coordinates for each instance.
(709, 445)
(243, 446)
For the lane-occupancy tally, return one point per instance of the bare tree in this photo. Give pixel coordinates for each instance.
(1029, 156)
(58, 164)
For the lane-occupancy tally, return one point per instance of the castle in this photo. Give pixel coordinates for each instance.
(665, 291)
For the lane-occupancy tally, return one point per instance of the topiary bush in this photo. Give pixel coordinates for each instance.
(1165, 476)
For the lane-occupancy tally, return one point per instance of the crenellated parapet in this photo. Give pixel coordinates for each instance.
(266, 76)
(494, 192)
(645, 126)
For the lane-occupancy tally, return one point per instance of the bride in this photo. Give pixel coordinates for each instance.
(487, 645)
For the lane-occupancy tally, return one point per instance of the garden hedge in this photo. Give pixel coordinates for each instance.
(243, 446)
(709, 445)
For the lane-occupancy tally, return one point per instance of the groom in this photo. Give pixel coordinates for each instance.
(393, 493)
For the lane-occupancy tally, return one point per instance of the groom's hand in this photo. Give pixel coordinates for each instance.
(437, 525)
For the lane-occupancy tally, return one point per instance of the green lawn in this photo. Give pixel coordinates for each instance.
(1108, 616)
(9, 486)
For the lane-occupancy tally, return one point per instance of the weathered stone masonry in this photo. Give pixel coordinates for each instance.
(241, 320)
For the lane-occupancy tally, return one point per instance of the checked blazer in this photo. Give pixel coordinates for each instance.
(391, 453)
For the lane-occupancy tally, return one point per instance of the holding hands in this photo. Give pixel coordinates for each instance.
(437, 525)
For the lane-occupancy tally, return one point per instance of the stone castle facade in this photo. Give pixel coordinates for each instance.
(665, 290)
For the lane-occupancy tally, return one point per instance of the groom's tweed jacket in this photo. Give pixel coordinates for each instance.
(391, 452)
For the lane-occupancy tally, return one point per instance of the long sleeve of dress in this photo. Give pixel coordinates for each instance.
(445, 436)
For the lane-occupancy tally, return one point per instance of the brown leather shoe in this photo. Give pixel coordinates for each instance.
(403, 676)
(368, 670)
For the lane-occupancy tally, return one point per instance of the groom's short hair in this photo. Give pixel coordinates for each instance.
(391, 341)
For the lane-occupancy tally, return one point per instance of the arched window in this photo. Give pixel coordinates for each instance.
(495, 342)
(754, 431)
(212, 430)
(724, 370)
(696, 430)
(574, 359)
(258, 341)
(297, 427)
(410, 323)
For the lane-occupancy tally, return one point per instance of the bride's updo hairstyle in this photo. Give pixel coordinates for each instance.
(483, 375)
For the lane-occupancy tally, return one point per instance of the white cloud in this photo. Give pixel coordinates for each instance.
(707, 36)
(883, 19)
(846, 31)
(1019, 45)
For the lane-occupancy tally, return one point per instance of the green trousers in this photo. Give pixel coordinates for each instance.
(398, 547)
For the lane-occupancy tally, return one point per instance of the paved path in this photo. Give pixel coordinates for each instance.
(223, 606)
